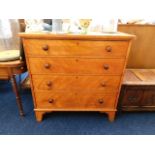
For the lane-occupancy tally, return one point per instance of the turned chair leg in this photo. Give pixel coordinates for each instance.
(18, 98)
(20, 79)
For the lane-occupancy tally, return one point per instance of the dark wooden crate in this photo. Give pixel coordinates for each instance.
(138, 90)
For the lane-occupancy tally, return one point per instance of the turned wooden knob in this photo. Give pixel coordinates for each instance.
(77, 60)
(45, 47)
(103, 84)
(106, 67)
(47, 65)
(49, 83)
(101, 101)
(108, 48)
(50, 100)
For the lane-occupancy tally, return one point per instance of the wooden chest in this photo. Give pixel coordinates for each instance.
(73, 72)
(138, 90)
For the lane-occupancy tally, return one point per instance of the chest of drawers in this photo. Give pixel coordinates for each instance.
(76, 72)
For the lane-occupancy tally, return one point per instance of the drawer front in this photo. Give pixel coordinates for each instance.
(74, 100)
(76, 66)
(107, 84)
(106, 49)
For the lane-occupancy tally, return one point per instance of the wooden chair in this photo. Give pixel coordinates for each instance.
(12, 64)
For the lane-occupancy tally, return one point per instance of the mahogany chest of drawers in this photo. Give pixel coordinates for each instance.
(74, 72)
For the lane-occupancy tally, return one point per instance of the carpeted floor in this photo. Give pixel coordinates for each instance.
(67, 123)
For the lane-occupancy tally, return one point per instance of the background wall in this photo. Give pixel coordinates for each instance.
(9, 29)
(142, 54)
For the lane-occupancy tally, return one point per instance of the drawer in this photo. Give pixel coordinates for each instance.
(76, 66)
(46, 48)
(106, 84)
(74, 100)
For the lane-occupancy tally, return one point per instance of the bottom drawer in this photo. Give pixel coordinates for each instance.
(75, 101)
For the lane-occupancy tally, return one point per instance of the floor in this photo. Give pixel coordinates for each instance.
(67, 123)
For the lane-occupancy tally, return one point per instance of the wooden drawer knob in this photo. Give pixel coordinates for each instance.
(108, 48)
(77, 60)
(47, 65)
(45, 47)
(51, 100)
(103, 84)
(49, 83)
(101, 101)
(106, 67)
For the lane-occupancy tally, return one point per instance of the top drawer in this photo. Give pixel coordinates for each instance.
(105, 49)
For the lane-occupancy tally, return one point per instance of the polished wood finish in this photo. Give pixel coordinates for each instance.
(16, 63)
(74, 72)
(75, 100)
(18, 98)
(39, 115)
(138, 90)
(4, 73)
(111, 115)
(79, 66)
(142, 53)
(69, 48)
(119, 36)
(51, 83)
(8, 70)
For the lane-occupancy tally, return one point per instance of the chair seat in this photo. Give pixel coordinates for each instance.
(9, 55)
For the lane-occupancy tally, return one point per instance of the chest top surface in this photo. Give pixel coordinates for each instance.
(89, 36)
(139, 77)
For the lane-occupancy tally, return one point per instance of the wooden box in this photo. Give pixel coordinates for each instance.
(138, 90)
